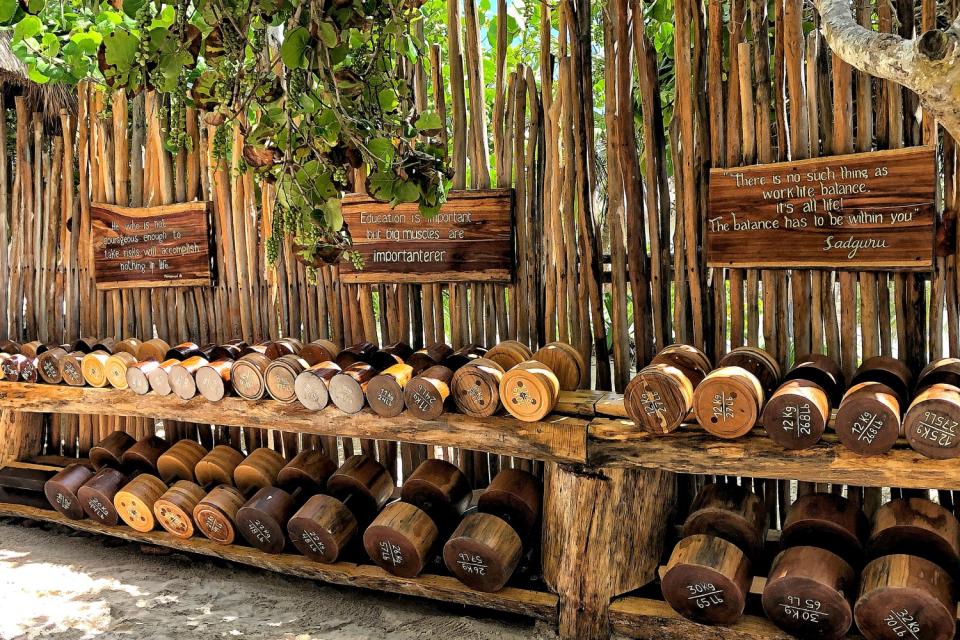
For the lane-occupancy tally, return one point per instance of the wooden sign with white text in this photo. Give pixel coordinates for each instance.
(165, 246)
(863, 211)
(470, 240)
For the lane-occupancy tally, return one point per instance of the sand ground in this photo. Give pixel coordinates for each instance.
(63, 584)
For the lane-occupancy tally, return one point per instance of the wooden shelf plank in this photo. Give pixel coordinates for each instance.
(536, 604)
(691, 450)
(556, 438)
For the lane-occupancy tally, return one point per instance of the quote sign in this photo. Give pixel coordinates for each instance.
(471, 239)
(166, 246)
(862, 211)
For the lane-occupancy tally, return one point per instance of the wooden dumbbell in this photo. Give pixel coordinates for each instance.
(258, 470)
(319, 351)
(659, 398)
(312, 386)
(476, 388)
(215, 515)
(83, 345)
(179, 461)
(463, 356)
(932, 422)
(942, 371)
(154, 349)
(731, 512)
(116, 368)
(61, 490)
(828, 521)
(143, 455)
(809, 593)
(247, 376)
(182, 376)
(529, 391)
(425, 396)
(48, 364)
(159, 377)
(94, 368)
(919, 527)
(138, 376)
(20, 368)
(135, 501)
(263, 519)
(401, 540)
(354, 354)
(758, 362)
(903, 596)
(565, 362)
(348, 388)
(283, 347)
(281, 375)
(230, 350)
(690, 361)
(728, 402)
(109, 451)
(129, 346)
(183, 351)
(218, 466)
(868, 419)
(327, 523)
(707, 580)
(797, 413)
(384, 392)
(71, 371)
(31, 349)
(889, 371)
(429, 356)
(174, 509)
(11, 347)
(390, 355)
(213, 379)
(822, 371)
(486, 547)
(509, 354)
(97, 494)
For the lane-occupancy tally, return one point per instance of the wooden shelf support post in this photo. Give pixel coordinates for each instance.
(20, 435)
(603, 535)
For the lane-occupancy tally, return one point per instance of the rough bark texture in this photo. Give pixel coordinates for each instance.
(927, 65)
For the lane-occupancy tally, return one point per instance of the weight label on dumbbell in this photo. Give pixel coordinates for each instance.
(705, 595)
(472, 564)
(475, 395)
(313, 542)
(213, 526)
(422, 398)
(49, 369)
(71, 372)
(805, 610)
(867, 426)
(391, 553)
(937, 429)
(386, 398)
(796, 419)
(722, 406)
(902, 624)
(98, 508)
(652, 402)
(259, 531)
(10, 370)
(64, 501)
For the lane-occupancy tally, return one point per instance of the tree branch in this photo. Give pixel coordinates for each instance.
(884, 55)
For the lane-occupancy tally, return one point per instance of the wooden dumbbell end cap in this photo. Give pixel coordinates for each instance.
(400, 539)
(262, 520)
(309, 470)
(932, 423)
(134, 503)
(529, 391)
(515, 496)
(346, 393)
(476, 390)
(179, 461)
(321, 528)
(707, 580)
(727, 402)
(890, 371)
(439, 488)
(690, 361)
(211, 383)
(116, 369)
(796, 415)
(215, 515)
(137, 380)
(659, 398)
(425, 396)
(312, 386)
(159, 378)
(828, 521)
(182, 382)
(868, 419)
(808, 593)
(96, 495)
(364, 485)
(61, 490)
(258, 470)
(109, 451)
(905, 597)
(174, 509)
(246, 376)
(144, 455)
(217, 467)
(483, 552)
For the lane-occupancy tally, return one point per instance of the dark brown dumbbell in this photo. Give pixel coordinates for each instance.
(425, 396)
(49, 364)
(230, 350)
(213, 379)
(486, 547)
(183, 351)
(217, 467)
(215, 515)
(354, 354)
(174, 509)
(903, 596)
(109, 451)
(259, 470)
(319, 351)
(932, 422)
(758, 362)
(659, 398)
(429, 356)
(308, 471)
(179, 461)
(312, 386)
(134, 502)
(83, 345)
(918, 527)
(20, 368)
(796, 415)
(809, 593)
(828, 521)
(61, 490)
(283, 347)
(889, 371)
(143, 455)
(348, 388)
(707, 580)
(942, 371)
(402, 539)
(868, 419)
(97, 494)
(463, 356)
(822, 371)
(731, 512)
(690, 361)
(326, 524)
(384, 392)
(71, 371)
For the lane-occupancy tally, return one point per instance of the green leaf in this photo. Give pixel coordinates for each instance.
(327, 33)
(408, 191)
(333, 214)
(27, 28)
(8, 10)
(388, 99)
(383, 149)
(35, 6)
(50, 45)
(382, 186)
(293, 51)
(35, 75)
(121, 49)
(88, 41)
(429, 123)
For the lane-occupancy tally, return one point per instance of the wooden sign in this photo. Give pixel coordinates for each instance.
(166, 246)
(863, 211)
(471, 239)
